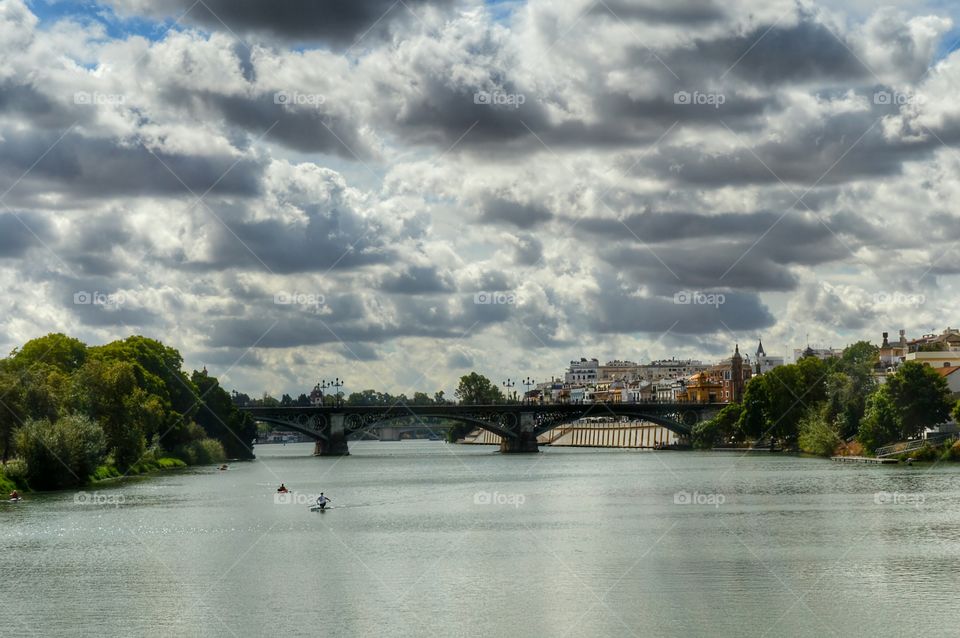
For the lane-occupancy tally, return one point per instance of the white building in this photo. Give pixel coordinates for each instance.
(582, 371)
(935, 359)
(670, 369)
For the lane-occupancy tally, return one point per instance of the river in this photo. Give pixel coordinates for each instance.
(430, 539)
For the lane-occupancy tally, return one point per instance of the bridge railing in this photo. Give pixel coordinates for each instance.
(909, 446)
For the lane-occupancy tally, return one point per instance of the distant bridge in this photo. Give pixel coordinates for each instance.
(518, 425)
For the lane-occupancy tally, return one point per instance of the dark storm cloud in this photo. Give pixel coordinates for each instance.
(417, 280)
(834, 150)
(302, 127)
(335, 238)
(130, 319)
(440, 114)
(94, 242)
(96, 168)
(222, 359)
(21, 231)
(688, 12)
(498, 210)
(798, 227)
(667, 270)
(772, 55)
(29, 102)
(613, 312)
(347, 319)
(297, 20)
(359, 352)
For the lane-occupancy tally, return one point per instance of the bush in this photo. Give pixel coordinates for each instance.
(6, 485)
(849, 448)
(60, 454)
(817, 436)
(201, 452)
(925, 453)
(105, 472)
(951, 451)
(14, 475)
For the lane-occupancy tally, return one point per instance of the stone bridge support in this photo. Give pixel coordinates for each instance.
(336, 443)
(526, 440)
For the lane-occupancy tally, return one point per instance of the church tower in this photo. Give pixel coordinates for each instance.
(736, 376)
(761, 355)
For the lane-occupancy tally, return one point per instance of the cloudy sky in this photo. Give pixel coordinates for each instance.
(397, 193)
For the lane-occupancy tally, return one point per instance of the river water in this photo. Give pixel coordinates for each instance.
(430, 539)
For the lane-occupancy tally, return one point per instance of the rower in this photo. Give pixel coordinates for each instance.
(282, 488)
(322, 501)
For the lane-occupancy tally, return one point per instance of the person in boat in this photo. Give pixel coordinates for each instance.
(14, 495)
(282, 488)
(322, 501)
(223, 467)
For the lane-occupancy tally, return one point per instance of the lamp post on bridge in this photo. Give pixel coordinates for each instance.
(527, 383)
(337, 384)
(509, 384)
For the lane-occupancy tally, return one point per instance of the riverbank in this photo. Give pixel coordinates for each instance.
(101, 474)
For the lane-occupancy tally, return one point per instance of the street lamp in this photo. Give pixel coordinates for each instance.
(336, 384)
(527, 383)
(509, 384)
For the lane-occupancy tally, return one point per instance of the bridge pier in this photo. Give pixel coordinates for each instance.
(526, 441)
(336, 443)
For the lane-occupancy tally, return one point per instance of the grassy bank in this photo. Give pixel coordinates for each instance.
(949, 450)
(107, 472)
(6, 485)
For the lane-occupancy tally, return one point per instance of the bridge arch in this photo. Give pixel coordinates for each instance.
(286, 424)
(460, 418)
(674, 426)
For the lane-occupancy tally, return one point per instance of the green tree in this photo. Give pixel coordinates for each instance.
(921, 395)
(722, 428)
(476, 389)
(55, 350)
(220, 418)
(752, 423)
(881, 423)
(12, 411)
(816, 434)
(860, 355)
(60, 454)
(421, 398)
(104, 391)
